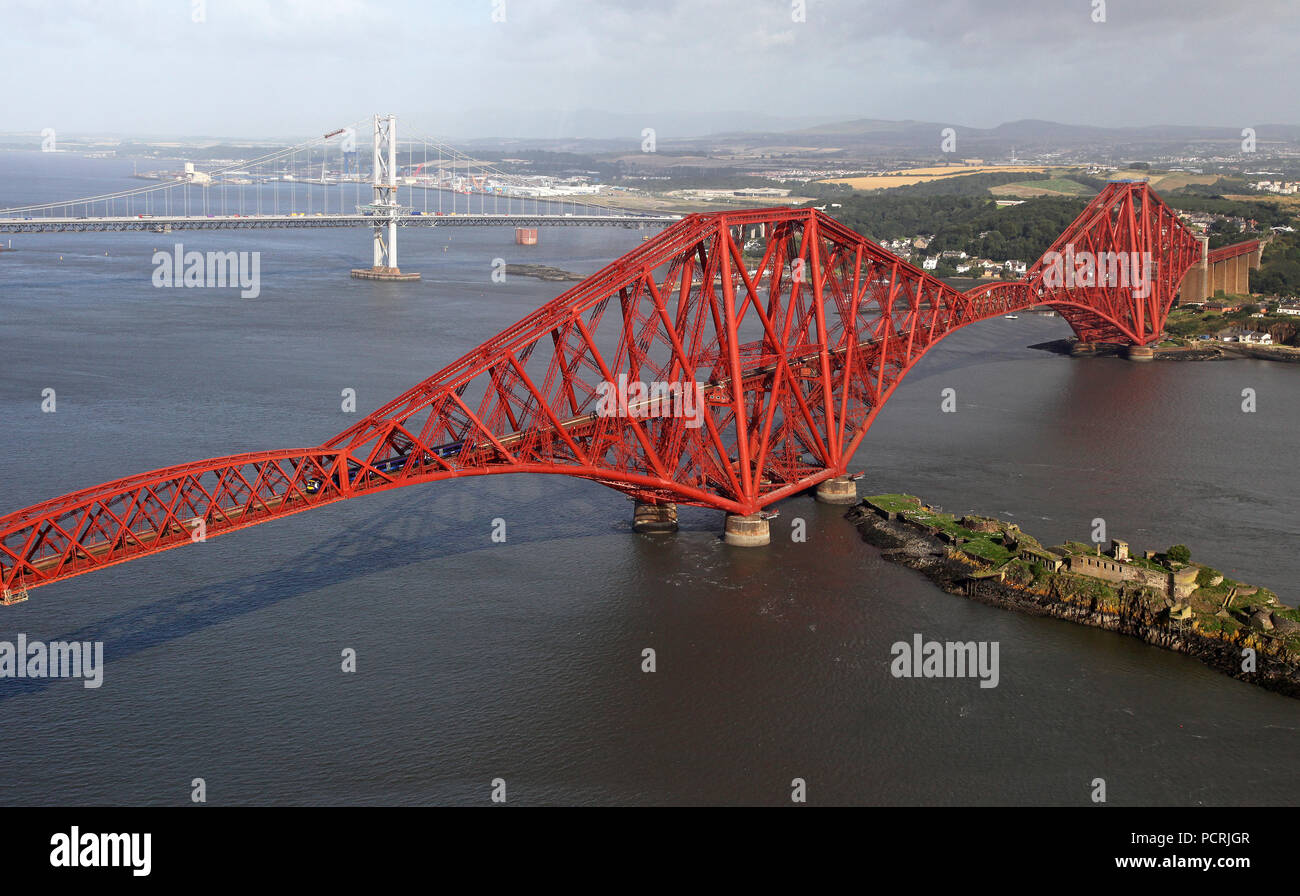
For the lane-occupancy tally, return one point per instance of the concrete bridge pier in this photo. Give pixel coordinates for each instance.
(1083, 349)
(654, 519)
(1139, 353)
(748, 531)
(840, 490)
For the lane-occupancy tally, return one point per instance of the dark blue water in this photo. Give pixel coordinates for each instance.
(522, 660)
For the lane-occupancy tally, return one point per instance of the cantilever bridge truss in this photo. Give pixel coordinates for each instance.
(795, 355)
(1114, 273)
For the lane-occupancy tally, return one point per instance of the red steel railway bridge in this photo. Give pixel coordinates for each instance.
(791, 360)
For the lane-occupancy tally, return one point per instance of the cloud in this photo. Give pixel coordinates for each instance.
(285, 67)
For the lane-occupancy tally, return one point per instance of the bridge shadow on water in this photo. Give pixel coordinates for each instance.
(406, 532)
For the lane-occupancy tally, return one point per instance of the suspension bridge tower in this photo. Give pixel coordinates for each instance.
(384, 208)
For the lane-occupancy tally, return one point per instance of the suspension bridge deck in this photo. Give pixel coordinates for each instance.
(256, 222)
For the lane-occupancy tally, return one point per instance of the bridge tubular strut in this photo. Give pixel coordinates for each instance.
(682, 373)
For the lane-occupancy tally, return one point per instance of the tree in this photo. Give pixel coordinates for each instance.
(1179, 553)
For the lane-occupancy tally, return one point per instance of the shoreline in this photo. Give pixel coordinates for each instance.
(1218, 351)
(1126, 608)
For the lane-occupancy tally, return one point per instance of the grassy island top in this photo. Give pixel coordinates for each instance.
(1190, 593)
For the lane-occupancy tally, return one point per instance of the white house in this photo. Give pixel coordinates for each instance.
(1249, 337)
(930, 263)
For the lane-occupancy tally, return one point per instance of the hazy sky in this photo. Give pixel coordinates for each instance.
(297, 67)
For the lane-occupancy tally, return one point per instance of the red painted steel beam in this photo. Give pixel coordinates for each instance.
(793, 363)
(1126, 220)
(1223, 253)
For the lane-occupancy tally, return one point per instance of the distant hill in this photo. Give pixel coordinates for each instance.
(1027, 135)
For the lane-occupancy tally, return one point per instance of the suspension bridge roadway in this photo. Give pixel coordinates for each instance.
(168, 223)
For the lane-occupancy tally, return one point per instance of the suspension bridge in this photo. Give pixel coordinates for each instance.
(793, 356)
(307, 186)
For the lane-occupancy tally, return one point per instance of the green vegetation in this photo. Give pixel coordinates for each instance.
(1217, 624)
(1266, 214)
(972, 185)
(986, 546)
(1214, 595)
(987, 549)
(1152, 565)
(941, 521)
(960, 214)
(1019, 569)
(1186, 323)
(1065, 185)
(1241, 602)
(1018, 572)
(1279, 270)
(1285, 612)
(895, 503)
(1078, 547)
(1216, 190)
(1096, 589)
(1230, 611)
(977, 226)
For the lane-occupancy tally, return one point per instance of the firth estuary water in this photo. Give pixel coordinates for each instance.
(522, 660)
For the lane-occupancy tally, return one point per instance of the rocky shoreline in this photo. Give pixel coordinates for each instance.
(1219, 351)
(1124, 609)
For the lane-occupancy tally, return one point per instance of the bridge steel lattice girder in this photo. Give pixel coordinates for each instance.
(772, 372)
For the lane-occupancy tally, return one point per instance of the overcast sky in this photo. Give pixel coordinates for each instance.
(259, 68)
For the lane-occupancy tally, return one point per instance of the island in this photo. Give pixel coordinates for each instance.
(1165, 598)
(543, 272)
(1204, 350)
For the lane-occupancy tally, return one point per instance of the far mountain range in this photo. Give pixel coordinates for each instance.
(1028, 134)
(871, 136)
